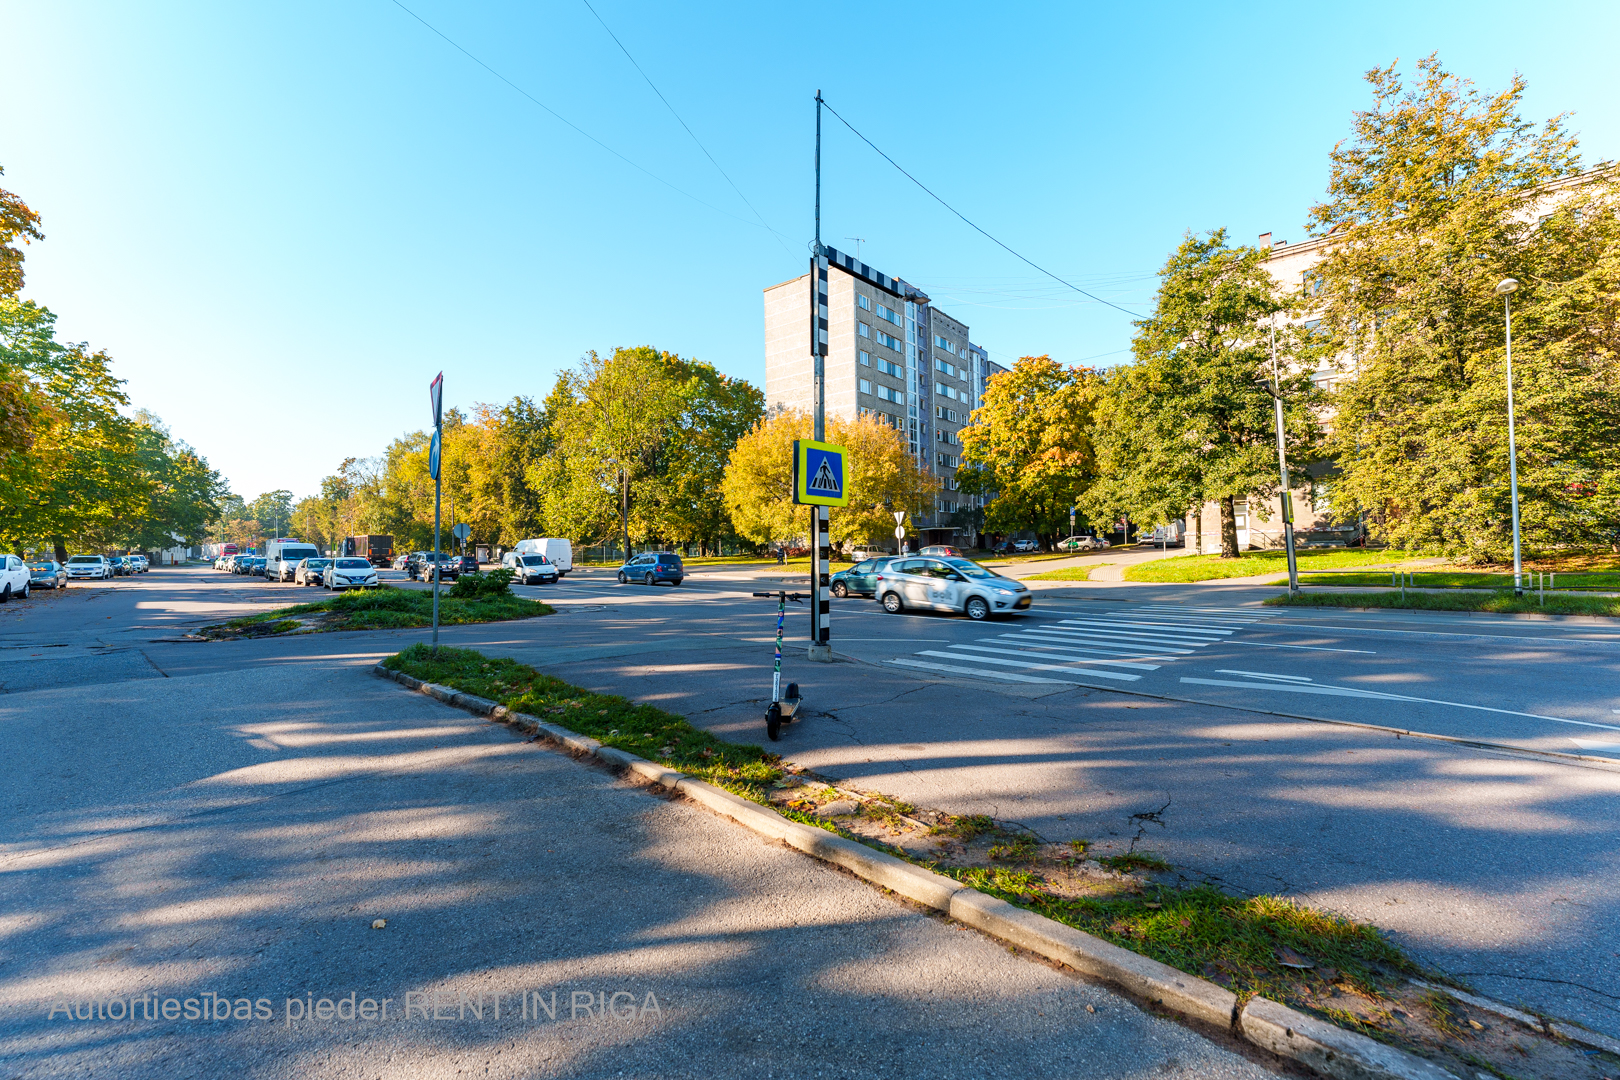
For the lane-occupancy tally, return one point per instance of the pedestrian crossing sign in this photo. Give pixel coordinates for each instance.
(820, 473)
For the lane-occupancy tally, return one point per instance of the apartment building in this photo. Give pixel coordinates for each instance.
(890, 354)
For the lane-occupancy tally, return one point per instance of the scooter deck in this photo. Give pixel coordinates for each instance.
(790, 707)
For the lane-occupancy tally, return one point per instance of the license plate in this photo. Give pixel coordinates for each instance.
(1023, 601)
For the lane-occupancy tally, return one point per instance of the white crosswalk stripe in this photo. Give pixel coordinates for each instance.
(1112, 646)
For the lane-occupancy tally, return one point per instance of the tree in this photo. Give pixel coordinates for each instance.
(182, 492)
(1190, 403)
(1442, 192)
(17, 221)
(882, 474)
(1029, 445)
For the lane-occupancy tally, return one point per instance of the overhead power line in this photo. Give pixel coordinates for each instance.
(559, 116)
(684, 124)
(970, 224)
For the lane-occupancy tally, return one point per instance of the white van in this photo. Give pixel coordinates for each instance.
(558, 552)
(281, 558)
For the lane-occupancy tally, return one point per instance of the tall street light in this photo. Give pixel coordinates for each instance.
(1505, 289)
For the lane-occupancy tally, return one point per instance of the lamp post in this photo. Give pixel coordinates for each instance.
(1505, 289)
(1286, 495)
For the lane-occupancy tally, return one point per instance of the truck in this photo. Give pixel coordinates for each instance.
(282, 556)
(377, 550)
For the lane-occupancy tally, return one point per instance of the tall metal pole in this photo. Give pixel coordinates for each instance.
(1282, 467)
(1513, 466)
(820, 605)
(436, 552)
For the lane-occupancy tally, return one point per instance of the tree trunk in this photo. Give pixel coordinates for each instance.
(1198, 529)
(61, 549)
(1229, 539)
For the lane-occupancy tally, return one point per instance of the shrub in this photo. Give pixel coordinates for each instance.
(473, 586)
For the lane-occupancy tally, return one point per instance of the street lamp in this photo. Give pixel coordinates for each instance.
(1286, 495)
(1505, 289)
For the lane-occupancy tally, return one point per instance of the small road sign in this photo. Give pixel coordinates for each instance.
(899, 532)
(461, 531)
(819, 473)
(436, 399)
(433, 455)
(899, 517)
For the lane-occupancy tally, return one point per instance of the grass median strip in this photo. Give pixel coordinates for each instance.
(1502, 603)
(1072, 573)
(377, 609)
(1184, 568)
(1464, 579)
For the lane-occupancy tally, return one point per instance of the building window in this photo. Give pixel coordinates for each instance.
(885, 339)
(943, 344)
(866, 386)
(866, 358)
(946, 461)
(942, 413)
(887, 394)
(863, 330)
(866, 305)
(946, 367)
(890, 369)
(888, 314)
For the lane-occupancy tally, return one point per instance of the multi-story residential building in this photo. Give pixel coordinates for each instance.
(890, 354)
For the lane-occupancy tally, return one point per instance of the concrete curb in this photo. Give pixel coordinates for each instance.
(1596, 1040)
(1325, 1048)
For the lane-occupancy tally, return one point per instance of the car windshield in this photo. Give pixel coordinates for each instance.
(40, 566)
(534, 560)
(316, 564)
(293, 554)
(85, 559)
(352, 564)
(969, 568)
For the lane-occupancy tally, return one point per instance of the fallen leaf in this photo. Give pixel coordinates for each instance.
(1290, 959)
(1091, 1008)
(378, 924)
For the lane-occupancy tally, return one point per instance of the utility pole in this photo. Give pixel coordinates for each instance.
(435, 451)
(1505, 289)
(820, 606)
(1275, 386)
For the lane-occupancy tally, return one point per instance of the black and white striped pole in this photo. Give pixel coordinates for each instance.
(820, 605)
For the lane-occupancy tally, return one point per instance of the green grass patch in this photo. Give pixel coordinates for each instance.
(644, 730)
(1505, 603)
(1069, 573)
(1236, 941)
(1184, 568)
(385, 608)
(1135, 860)
(1464, 579)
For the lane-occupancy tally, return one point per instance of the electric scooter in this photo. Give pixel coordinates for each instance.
(782, 708)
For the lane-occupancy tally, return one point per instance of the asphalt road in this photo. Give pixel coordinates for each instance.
(1143, 714)
(196, 824)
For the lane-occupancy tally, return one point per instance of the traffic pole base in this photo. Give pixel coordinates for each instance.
(821, 653)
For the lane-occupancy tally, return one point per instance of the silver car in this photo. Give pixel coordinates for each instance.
(48, 574)
(949, 584)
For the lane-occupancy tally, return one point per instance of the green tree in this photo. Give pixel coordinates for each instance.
(1188, 421)
(1441, 192)
(1029, 445)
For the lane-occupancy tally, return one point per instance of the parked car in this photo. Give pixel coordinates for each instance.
(948, 584)
(94, 567)
(283, 556)
(15, 579)
(350, 572)
(1082, 543)
(48, 574)
(139, 563)
(311, 571)
(120, 565)
(940, 549)
(861, 554)
(467, 564)
(653, 568)
(860, 579)
(255, 566)
(530, 568)
(420, 568)
(403, 560)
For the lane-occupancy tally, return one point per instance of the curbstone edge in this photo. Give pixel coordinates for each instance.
(1143, 976)
(878, 867)
(1329, 1049)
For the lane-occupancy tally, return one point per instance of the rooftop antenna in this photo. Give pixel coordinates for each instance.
(859, 240)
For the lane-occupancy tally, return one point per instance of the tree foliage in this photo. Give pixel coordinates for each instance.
(1030, 445)
(1442, 192)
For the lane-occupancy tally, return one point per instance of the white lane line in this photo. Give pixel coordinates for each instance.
(1074, 650)
(1262, 675)
(1165, 624)
(1130, 637)
(1069, 659)
(1004, 675)
(1120, 675)
(1053, 640)
(1592, 744)
(1078, 638)
(1113, 627)
(1307, 648)
(1337, 691)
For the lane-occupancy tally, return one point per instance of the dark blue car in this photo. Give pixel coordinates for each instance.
(651, 569)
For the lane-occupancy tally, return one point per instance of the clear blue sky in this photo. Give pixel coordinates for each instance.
(282, 220)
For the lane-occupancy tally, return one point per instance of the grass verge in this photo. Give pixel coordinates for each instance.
(1464, 579)
(1184, 568)
(1072, 573)
(1505, 603)
(377, 609)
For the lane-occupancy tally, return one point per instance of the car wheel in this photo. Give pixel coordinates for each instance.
(840, 590)
(26, 586)
(5, 594)
(977, 609)
(623, 580)
(892, 603)
(649, 579)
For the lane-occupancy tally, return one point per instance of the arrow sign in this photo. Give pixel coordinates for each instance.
(436, 399)
(433, 456)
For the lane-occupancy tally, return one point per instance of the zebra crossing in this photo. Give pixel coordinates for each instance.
(1108, 646)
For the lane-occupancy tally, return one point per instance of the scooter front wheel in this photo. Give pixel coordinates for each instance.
(773, 721)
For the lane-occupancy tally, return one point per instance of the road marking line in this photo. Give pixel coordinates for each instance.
(1076, 638)
(1072, 660)
(1132, 636)
(1083, 650)
(1307, 648)
(1006, 675)
(1337, 691)
(1120, 675)
(1263, 675)
(1113, 627)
